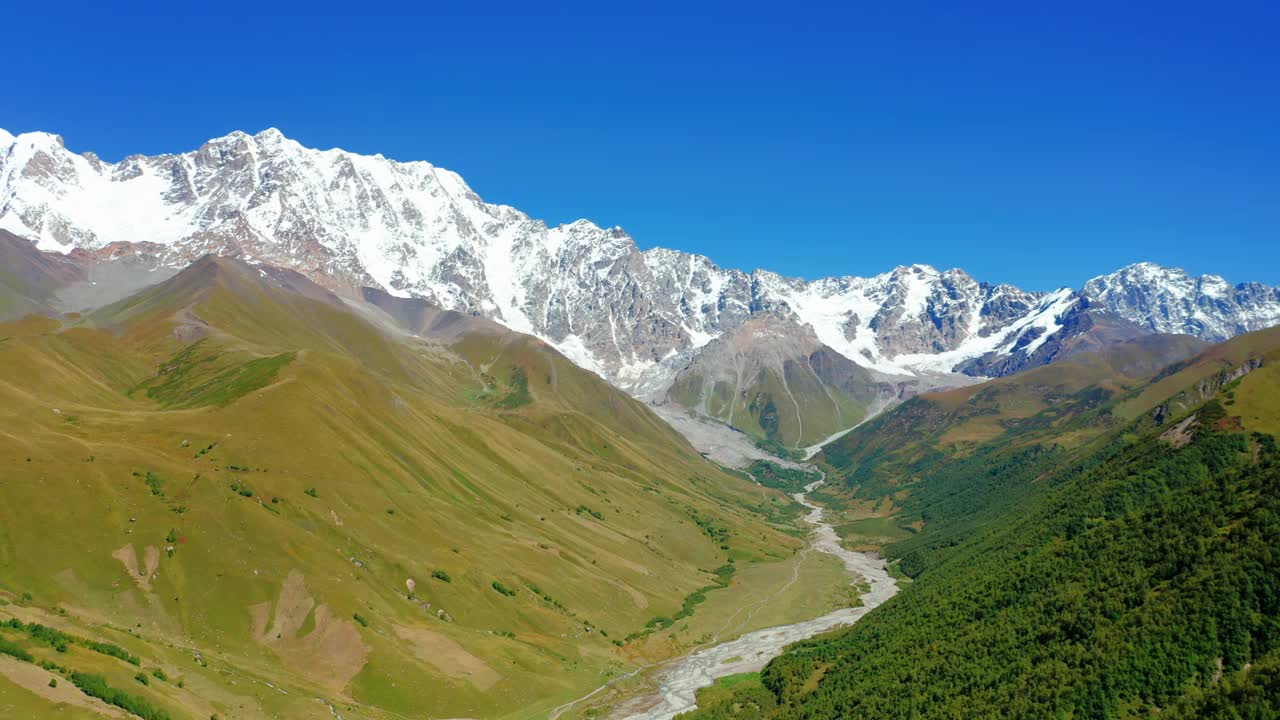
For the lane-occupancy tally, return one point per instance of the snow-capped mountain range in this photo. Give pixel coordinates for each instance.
(634, 316)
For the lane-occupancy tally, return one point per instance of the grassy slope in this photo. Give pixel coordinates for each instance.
(306, 466)
(1032, 416)
(788, 405)
(1107, 576)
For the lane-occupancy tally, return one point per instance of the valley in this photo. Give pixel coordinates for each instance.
(299, 433)
(277, 513)
(679, 681)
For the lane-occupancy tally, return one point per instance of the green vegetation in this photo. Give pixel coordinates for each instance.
(12, 649)
(96, 686)
(360, 619)
(584, 510)
(198, 377)
(1074, 560)
(723, 575)
(59, 640)
(787, 479)
(519, 391)
(108, 649)
(1252, 693)
(380, 420)
(708, 526)
(741, 696)
(777, 449)
(497, 585)
(1083, 589)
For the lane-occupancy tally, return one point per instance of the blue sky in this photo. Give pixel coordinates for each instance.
(1035, 143)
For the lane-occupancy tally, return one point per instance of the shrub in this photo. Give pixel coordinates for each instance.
(312, 492)
(114, 651)
(56, 639)
(441, 575)
(503, 589)
(96, 686)
(59, 640)
(360, 619)
(12, 650)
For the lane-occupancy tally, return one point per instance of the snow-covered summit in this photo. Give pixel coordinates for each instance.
(1168, 300)
(414, 229)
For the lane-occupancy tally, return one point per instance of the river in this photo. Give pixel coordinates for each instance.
(679, 680)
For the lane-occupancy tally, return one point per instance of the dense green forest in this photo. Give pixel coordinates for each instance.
(1117, 578)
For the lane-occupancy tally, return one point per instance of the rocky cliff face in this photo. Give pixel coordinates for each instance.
(639, 318)
(1168, 300)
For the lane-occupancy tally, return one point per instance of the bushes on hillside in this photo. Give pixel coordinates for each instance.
(95, 685)
(1110, 588)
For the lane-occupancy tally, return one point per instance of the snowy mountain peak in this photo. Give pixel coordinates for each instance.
(37, 139)
(1169, 300)
(412, 229)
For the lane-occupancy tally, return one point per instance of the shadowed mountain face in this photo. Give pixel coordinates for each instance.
(637, 318)
(30, 279)
(398, 509)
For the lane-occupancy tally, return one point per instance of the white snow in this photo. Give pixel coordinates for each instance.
(573, 348)
(420, 231)
(1044, 316)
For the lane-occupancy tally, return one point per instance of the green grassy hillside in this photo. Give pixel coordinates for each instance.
(790, 409)
(909, 462)
(280, 505)
(776, 383)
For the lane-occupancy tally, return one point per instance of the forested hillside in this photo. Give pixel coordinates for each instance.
(1081, 564)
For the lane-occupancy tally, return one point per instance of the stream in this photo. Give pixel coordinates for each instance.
(679, 680)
